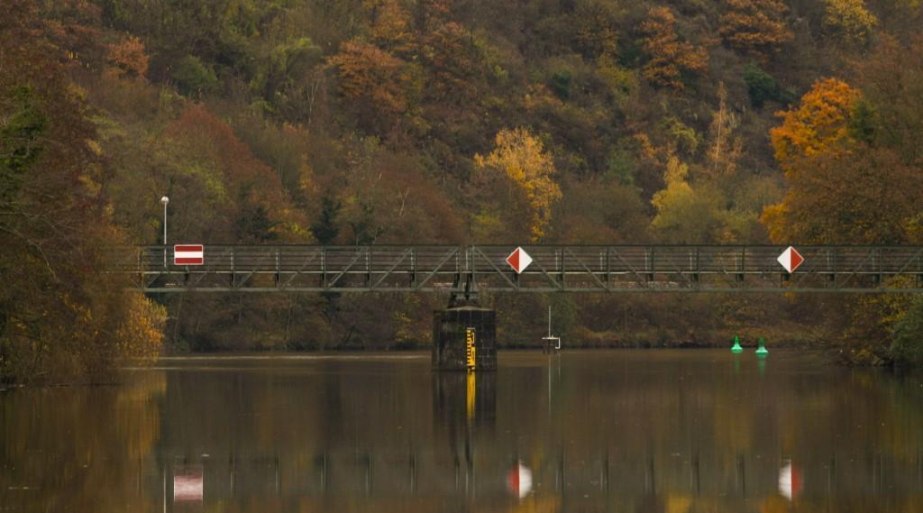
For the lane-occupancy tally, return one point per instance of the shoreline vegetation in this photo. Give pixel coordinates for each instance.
(361, 122)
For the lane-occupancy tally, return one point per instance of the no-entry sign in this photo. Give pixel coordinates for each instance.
(188, 254)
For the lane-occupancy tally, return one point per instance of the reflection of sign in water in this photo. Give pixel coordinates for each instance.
(188, 484)
(470, 351)
(790, 483)
(519, 480)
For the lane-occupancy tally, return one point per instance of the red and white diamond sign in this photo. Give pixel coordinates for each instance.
(519, 260)
(790, 259)
(188, 254)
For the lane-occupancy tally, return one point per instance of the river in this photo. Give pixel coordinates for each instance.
(591, 431)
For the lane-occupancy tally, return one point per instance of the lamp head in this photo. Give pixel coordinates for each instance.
(164, 200)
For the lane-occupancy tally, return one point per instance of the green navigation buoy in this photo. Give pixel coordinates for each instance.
(761, 350)
(736, 347)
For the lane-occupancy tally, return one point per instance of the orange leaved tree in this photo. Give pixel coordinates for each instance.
(755, 27)
(840, 189)
(669, 58)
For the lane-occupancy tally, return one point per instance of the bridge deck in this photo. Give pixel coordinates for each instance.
(297, 268)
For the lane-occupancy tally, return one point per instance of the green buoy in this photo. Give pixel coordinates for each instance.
(736, 347)
(761, 350)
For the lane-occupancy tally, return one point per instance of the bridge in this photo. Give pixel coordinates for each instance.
(455, 269)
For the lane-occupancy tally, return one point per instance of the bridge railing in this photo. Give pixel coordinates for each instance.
(553, 268)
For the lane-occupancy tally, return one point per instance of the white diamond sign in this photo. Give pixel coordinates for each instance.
(790, 259)
(519, 260)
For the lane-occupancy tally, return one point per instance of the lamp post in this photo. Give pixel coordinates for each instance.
(165, 200)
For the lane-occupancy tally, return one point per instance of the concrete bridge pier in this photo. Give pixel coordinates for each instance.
(464, 334)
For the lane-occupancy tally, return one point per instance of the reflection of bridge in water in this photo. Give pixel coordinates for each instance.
(563, 471)
(563, 474)
(554, 268)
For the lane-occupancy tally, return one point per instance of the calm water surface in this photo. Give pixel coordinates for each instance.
(620, 431)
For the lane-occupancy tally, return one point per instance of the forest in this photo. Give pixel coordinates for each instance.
(361, 122)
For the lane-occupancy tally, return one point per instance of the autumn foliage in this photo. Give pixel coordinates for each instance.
(842, 187)
(225, 176)
(415, 122)
(819, 124)
(755, 27)
(128, 58)
(379, 87)
(523, 159)
(849, 20)
(669, 58)
(61, 319)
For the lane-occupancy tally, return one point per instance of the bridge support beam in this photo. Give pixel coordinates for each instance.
(465, 338)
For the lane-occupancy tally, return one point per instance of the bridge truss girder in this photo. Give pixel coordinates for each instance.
(451, 269)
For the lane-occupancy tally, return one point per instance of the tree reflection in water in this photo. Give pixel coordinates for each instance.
(659, 431)
(81, 448)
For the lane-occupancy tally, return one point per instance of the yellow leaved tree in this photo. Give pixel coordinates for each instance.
(522, 158)
(685, 215)
(849, 20)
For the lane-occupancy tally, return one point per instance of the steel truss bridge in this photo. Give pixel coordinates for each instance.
(463, 269)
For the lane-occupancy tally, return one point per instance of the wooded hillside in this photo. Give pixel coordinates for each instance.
(468, 121)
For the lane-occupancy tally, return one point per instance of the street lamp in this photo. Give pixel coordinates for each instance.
(165, 200)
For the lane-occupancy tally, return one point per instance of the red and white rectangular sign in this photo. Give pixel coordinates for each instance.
(188, 254)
